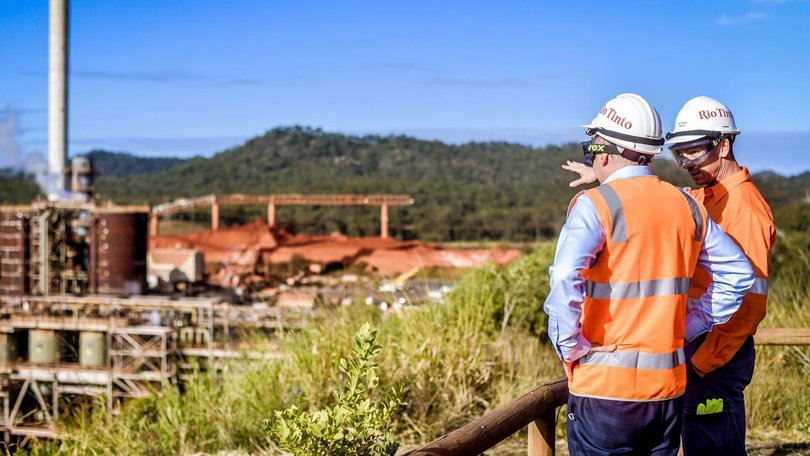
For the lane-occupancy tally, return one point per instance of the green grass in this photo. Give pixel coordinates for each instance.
(483, 348)
(778, 398)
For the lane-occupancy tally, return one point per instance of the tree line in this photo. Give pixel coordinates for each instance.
(474, 191)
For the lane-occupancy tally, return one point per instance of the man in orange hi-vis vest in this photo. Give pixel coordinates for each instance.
(722, 362)
(622, 270)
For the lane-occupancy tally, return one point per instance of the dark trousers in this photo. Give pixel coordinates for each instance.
(711, 426)
(605, 427)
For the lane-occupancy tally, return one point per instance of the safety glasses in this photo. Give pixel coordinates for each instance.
(589, 151)
(706, 145)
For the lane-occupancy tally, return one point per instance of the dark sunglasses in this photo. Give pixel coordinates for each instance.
(590, 150)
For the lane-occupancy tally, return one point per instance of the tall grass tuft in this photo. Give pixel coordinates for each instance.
(778, 399)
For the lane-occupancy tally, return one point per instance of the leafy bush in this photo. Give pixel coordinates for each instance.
(793, 217)
(511, 296)
(790, 261)
(355, 425)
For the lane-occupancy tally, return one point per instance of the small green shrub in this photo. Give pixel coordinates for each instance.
(355, 425)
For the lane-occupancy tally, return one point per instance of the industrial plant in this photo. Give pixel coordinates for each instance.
(74, 320)
(96, 303)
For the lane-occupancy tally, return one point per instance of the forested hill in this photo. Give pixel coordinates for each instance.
(475, 191)
(117, 164)
(17, 188)
(468, 192)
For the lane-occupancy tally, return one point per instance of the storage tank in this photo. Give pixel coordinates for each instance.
(43, 346)
(8, 348)
(187, 336)
(118, 250)
(14, 229)
(91, 349)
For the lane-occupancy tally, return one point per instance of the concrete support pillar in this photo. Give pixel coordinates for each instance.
(215, 216)
(384, 221)
(271, 214)
(153, 224)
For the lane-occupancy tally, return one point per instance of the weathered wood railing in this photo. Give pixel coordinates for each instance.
(537, 409)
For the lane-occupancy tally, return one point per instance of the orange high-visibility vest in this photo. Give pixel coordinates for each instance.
(636, 290)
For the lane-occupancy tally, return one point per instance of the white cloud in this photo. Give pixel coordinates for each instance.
(739, 20)
(169, 76)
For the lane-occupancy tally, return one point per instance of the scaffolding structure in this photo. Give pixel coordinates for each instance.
(139, 344)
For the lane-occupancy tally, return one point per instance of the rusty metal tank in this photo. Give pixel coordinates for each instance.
(118, 242)
(15, 222)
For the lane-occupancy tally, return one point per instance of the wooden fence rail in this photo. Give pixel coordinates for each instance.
(485, 432)
(782, 336)
(537, 409)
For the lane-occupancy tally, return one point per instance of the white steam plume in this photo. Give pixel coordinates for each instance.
(33, 163)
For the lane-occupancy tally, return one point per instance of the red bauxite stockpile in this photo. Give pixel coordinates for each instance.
(243, 246)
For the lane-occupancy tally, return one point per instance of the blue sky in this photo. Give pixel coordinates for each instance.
(192, 77)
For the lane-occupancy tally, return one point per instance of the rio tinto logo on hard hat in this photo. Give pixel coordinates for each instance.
(614, 117)
(706, 114)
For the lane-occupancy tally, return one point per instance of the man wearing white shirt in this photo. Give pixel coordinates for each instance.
(624, 261)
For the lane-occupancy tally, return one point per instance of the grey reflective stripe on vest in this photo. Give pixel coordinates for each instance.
(636, 360)
(614, 204)
(760, 286)
(693, 208)
(640, 289)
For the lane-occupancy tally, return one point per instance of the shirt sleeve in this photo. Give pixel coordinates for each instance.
(732, 276)
(754, 232)
(581, 238)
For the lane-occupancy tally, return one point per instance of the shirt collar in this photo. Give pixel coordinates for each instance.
(723, 187)
(629, 171)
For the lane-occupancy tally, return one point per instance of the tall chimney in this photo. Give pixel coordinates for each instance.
(57, 89)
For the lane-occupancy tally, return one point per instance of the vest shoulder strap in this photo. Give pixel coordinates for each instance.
(697, 216)
(573, 202)
(615, 211)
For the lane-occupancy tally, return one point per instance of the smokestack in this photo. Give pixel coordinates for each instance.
(57, 89)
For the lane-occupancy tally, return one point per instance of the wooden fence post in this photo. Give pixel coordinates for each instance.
(542, 434)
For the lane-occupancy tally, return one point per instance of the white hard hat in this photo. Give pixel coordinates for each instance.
(629, 121)
(702, 117)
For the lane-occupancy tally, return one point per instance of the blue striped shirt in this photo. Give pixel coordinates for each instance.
(583, 237)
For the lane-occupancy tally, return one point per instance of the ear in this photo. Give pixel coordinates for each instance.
(724, 148)
(604, 159)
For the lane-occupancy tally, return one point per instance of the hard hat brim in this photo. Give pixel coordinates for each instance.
(684, 139)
